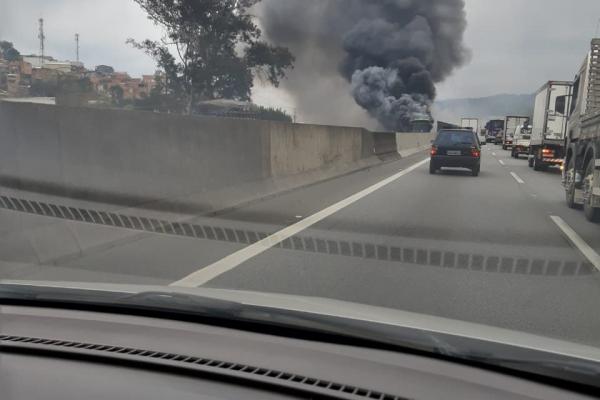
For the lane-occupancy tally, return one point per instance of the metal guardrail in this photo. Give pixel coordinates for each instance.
(497, 264)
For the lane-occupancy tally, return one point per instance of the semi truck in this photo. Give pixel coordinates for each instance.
(581, 176)
(549, 125)
(521, 140)
(511, 123)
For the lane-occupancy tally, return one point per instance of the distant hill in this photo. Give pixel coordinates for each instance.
(484, 108)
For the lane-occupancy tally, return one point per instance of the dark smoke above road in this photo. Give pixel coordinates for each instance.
(391, 52)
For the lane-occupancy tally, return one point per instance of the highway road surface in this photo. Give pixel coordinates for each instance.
(499, 249)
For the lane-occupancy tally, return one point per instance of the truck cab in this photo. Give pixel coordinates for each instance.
(494, 129)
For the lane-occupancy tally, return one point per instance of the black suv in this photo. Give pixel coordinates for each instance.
(456, 149)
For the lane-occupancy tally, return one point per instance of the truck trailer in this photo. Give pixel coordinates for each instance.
(581, 176)
(511, 123)
(549, 125)
(440, 125)
(473, 124)
(470, 123)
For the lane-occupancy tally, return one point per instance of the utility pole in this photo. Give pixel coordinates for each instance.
(77, 45)
(42, 38)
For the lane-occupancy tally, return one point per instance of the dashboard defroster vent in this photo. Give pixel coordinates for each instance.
(315, 385)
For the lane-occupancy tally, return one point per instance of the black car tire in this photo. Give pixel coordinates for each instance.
(530, 162)
(432, 169)
(475, 171)
(591, 214)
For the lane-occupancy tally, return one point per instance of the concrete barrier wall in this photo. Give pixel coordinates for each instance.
(384, 143)
(124, 153)
(142, 159)
(299, 148)
(411, 143)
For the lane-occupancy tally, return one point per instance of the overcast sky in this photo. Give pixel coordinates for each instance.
(516, 44)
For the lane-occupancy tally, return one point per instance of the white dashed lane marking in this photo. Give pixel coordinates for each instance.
(233, 260)
(517, 178)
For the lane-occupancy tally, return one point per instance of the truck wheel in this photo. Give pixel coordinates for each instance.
(592, 214)
(570, 185)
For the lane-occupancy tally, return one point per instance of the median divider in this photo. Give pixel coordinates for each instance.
(412, 143)
(164, 164)
(176, 163)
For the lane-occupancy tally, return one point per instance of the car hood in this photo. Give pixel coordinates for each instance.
(327, 309)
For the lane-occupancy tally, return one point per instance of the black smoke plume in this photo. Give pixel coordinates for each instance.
(390, 53)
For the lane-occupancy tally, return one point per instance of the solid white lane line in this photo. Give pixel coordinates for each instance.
(517, 178)
(501, 162)
(233, 260)
(578, 242)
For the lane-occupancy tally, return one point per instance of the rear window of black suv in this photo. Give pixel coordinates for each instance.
(453, 138)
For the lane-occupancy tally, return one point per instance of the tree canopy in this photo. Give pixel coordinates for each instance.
(9, 53)
(211, 49)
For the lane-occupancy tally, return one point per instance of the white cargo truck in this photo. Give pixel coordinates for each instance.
(511, 123)
(521, 140)
(473, 124)
(581, 176)
(549, 125)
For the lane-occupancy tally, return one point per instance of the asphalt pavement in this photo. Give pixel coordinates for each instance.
(482, 249)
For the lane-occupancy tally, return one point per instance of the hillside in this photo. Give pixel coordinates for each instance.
(484, 108)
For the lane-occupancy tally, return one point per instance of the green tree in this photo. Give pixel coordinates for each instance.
(9, 53)
(273, 114)
(117, 95)
(211, 49)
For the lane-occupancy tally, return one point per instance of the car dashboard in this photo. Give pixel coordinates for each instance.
(54, 353)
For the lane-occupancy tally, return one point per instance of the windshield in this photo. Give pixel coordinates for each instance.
(449, 138)
(290, 148)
